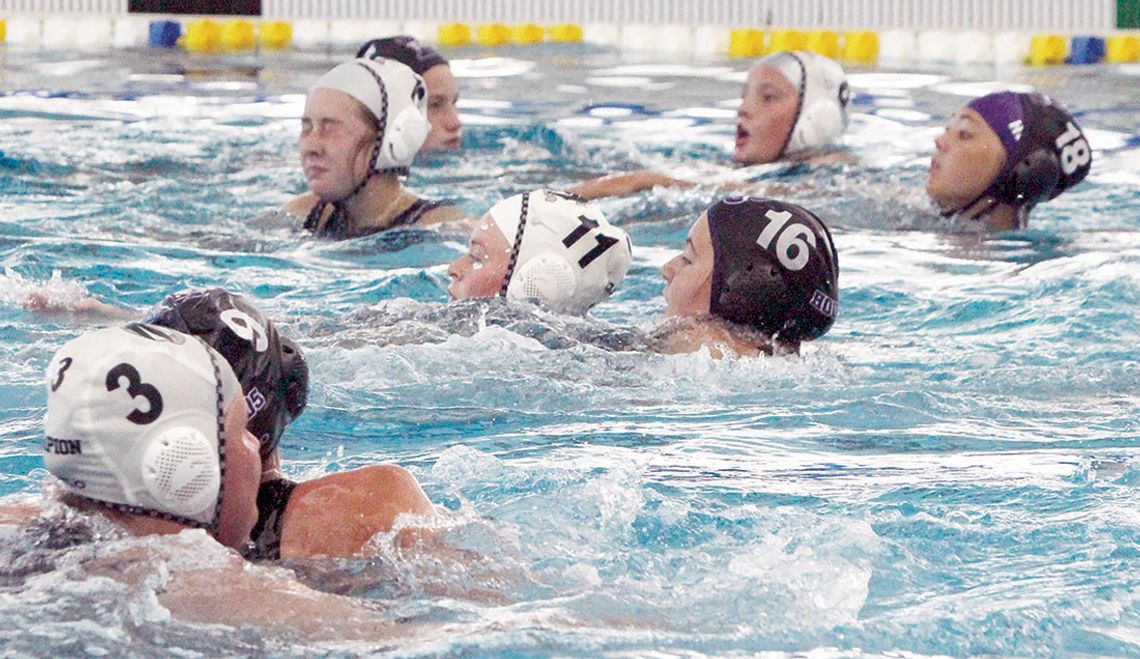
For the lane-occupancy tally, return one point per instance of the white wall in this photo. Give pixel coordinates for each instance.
(63, 7)
(1051, 15)
(1067, 16)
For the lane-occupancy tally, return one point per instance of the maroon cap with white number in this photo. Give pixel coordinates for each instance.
(774, 268)
(135, 421)
(270, 367)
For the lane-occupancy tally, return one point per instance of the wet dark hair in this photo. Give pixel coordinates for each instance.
(406, 50)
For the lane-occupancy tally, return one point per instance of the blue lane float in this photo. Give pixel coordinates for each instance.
(164, 34)
(1087, 50)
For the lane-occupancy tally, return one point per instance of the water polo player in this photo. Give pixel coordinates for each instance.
(363, 123)
(274, 379)
(145, 426)
(544, 246)
(442, 89)
(765, 271)
(271, 368)
(150, 423)
(174, 470)
(1004, 153)
(793, 107)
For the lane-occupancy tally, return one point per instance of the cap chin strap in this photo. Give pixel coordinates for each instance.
(983, 205)
(516, 247)
(977, 209)
(340, 219)
(799, 103)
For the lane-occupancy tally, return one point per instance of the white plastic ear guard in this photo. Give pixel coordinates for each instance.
(180, 470)
(404, 137)
(819, 125)
(549, 279)
(568, 258)
(134, 420)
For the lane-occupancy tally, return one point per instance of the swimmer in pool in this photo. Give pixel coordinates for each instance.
(270, 367)
(363, 123)
(156, 466)
(757, 276)
(145, 426)
(545, 246)
(1004, 153)
(793, 107)
(274, 378)
(442, 89)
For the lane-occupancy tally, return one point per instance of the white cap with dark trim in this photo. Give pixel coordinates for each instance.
(396, 96)
(824, 97)
(565, 255)
(136, 419)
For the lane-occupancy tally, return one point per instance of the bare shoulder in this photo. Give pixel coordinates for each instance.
(685, 335)
(386, 486)
(301, 205)
(337, 514)
(441, 214)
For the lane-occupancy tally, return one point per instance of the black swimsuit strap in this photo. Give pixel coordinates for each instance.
(337, 225)
(416, 211)
(272, 499)
(313, 219)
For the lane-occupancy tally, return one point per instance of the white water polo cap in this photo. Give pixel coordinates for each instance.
(824, 97)
(396, 96)
(136, 422)
(565, 255)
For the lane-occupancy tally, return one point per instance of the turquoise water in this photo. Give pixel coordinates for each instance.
(951, 470)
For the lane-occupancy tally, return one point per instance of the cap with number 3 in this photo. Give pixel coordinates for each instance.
(135, 421)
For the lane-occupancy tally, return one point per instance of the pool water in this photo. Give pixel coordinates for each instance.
(951, 470)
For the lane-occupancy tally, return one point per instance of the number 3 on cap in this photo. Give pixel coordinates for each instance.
(795, 235)
(135, 388)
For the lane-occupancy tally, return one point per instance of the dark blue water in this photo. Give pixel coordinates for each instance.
(951, 470)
